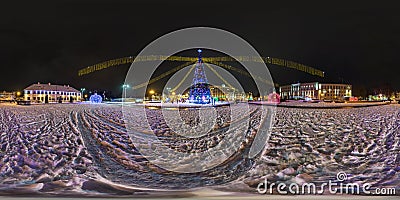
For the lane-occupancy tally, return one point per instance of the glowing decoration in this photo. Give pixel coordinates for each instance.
(274, 98)
(250, 97)
(353, 99)
(163, 75)
(95, 98)
(199, 92)
(199, 59)
(213, 60)
(219, 76)
(184, 78)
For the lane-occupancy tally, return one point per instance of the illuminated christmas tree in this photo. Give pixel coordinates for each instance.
(200, 91)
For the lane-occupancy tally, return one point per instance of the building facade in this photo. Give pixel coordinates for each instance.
(316, 90)
(8, 96)
(48, 93)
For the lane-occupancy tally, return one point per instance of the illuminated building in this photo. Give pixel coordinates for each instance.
(199, 92)
(48, 93)
(225, 93)
(315, 90)
(7, 96)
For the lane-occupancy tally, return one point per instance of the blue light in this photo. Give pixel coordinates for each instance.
(95, 98)
(199, 51)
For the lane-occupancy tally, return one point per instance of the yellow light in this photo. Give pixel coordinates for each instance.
(173, 93)
(18, 93)
(151, 92)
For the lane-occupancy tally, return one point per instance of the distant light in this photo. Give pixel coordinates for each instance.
(199, 50)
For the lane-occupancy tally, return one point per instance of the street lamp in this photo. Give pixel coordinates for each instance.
(82, 92)
(125, 86)
(152, 92)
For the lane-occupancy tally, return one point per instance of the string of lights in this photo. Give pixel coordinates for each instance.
(226, 66)
(267, 60)
(184, 78)
(229, 67)
(163, 75)
(218, 75)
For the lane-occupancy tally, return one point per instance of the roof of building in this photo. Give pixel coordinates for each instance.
(6, 93)
(50, 87)
(311, 83)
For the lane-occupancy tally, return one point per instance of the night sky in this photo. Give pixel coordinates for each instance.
(356, 43)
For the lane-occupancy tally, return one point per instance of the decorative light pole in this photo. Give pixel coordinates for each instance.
(125, 86)
(82, 92)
